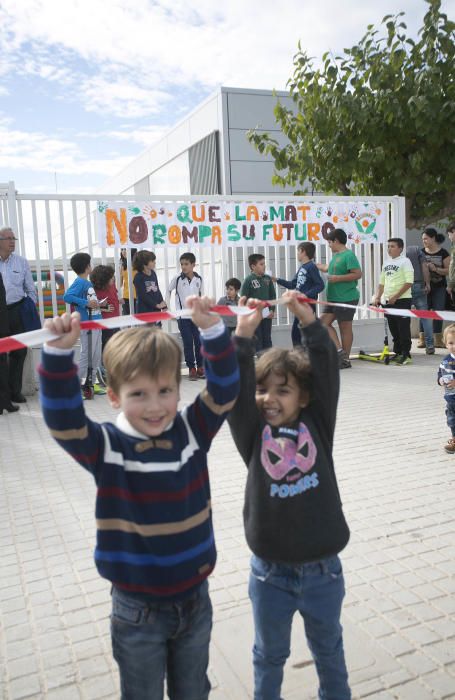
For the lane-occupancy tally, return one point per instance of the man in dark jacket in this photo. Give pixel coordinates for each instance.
(5, 402)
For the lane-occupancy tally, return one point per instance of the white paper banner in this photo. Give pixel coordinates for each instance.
(169, 224)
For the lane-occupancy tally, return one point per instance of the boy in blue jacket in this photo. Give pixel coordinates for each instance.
(307, 280)
(155, 540)
(82, 297)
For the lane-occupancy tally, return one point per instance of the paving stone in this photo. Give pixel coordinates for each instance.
(24, 687)
(59, 677)
(396, 644)
(377, 628)
(99, 687)
(443, 652)
(418, 663)
(414, 691)
(92, 667)
(422, 635)
(22, 667)
(70, 692)
(425, 612)
(56, 657)
(441, 684)
(19, 650)
(444, 627)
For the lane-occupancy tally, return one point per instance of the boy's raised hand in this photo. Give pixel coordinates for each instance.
(300, 309)
(246, 325)
(67, 326)
(201, 314)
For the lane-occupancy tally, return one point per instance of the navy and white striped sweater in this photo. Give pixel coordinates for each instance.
(153, 508)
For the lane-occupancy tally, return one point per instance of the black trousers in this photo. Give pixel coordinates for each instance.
(16, 358)
(4, 384)
(263, 335)
(400, 328)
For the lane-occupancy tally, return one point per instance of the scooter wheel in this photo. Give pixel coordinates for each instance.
(387, 360)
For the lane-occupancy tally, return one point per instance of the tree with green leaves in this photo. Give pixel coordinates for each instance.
(378, 120)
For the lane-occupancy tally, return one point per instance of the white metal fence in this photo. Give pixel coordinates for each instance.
(51, 228)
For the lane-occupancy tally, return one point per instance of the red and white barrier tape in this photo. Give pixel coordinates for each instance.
(42, 335)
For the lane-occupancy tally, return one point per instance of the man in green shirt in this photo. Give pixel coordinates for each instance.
(343, 273)
(397, 276)
(258, 285)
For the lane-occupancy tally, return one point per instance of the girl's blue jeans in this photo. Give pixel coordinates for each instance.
(316, 591)
(436, 300)
(154, 641)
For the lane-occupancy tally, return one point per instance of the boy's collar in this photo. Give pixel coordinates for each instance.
(125, 426)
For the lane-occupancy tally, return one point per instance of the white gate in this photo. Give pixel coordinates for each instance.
(51, 228)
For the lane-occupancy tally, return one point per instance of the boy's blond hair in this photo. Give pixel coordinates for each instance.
(142, 350)
(285, 363)
(449, 330)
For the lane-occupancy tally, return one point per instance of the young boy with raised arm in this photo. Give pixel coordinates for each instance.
(155, 541)
(307, 280)
(283, 425)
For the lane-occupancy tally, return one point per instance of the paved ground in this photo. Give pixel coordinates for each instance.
(398, 488)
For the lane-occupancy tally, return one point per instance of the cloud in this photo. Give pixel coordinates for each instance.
(122, 98)
(38, 152)
(127, 59)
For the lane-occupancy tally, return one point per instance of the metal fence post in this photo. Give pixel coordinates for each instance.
(12, 213)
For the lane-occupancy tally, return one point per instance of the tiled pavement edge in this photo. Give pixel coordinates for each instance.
(398, 488)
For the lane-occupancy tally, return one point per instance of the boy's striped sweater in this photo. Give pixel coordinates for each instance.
(153, 508)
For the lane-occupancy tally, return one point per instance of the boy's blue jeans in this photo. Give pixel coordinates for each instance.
(191, 342)
(151, 641)
(450, 412)
(420, 301)
(316, 591)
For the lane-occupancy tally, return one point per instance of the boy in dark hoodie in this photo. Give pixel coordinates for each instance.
(148, 294)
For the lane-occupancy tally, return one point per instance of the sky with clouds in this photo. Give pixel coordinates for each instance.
(86, 85)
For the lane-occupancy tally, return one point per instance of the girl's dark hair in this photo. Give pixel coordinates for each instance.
(101, 275)
(432, 233)
(142, 259)
(286, 363)
(123, 258)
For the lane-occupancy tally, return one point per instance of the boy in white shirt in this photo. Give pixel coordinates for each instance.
(186, 284)
(397, 276)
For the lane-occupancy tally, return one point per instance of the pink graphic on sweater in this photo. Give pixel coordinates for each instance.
(281, 455)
